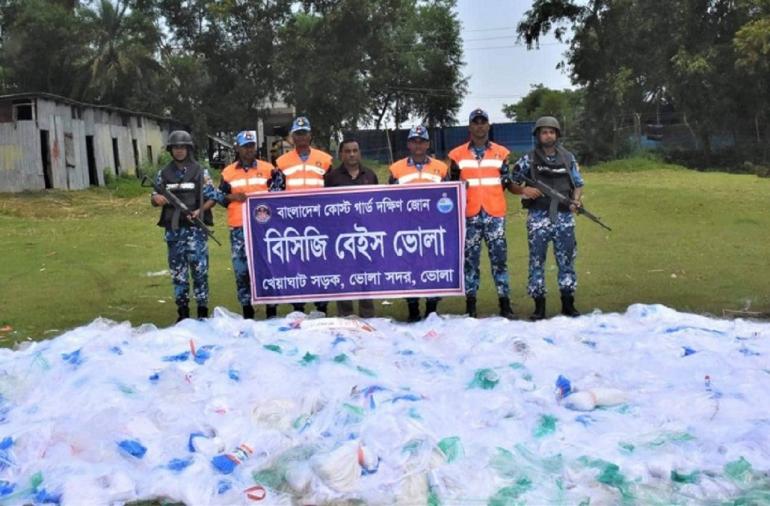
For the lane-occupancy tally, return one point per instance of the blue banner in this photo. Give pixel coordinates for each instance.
(359, 242)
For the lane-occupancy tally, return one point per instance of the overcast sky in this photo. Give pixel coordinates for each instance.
(502, 70)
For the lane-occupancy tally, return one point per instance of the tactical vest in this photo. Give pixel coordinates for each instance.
(555, 173)
(188, 189)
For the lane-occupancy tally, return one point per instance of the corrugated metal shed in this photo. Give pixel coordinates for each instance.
(48, 141)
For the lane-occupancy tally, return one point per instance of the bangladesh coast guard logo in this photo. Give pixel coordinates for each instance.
(262, 214)
(444, 204)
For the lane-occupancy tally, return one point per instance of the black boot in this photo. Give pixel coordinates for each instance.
(203, 312)
(470, 305)
(539, 313)
(568, 305)
(431, 306)
(271, 311)
(505, 308)
(183, 312)
(248, 312)
(414, 311)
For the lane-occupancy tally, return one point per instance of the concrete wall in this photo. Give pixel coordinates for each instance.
(21, 165)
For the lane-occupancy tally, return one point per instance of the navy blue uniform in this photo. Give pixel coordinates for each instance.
(550, 224)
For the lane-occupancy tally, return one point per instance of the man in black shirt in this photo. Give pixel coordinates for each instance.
(351, 173)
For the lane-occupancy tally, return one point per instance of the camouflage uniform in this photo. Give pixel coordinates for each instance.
(188, 252)
(238, 241)
(492, 230)
(431, 303)
(240, 265)
(541, 230)
(483, 167)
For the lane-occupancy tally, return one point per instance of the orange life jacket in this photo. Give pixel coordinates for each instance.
(482, 177)
(301, 175)
(253, 180)
(434, 171)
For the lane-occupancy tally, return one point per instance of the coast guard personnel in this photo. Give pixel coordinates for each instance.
(303, 168)
(188, 251)
(483, 166)
(417, 168)
(245, 176)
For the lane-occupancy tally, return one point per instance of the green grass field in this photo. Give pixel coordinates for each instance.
(694, 241)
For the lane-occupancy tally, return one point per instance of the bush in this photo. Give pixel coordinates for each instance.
(634, 164)
(146, 168)
(759, 170)
(126, 187)
(150, 168)
(722, 160)
(213, 171)
(164, 159)
(109, 177)
(123, 186)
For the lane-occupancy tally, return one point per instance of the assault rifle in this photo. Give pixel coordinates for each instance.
(174, 201)
(562, 199)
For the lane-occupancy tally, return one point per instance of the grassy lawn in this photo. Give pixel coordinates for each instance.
(694, 241)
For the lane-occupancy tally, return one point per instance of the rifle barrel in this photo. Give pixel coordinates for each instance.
(174, 201)
(563, 199)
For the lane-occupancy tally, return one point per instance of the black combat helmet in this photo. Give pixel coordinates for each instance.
(179, 138)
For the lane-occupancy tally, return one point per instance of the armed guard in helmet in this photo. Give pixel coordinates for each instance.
(188, 253)
(548, 219)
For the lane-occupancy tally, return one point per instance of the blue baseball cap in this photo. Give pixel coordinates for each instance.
(419, 132)
(246, 137)
(478, 113)
(300, 123)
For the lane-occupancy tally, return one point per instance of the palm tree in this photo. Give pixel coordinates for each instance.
(122, 64)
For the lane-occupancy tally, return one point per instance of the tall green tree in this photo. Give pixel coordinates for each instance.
(418, 64)
(122, 61)
(564, 105)
(217, 65)
(348, 61)
(752, 46)
(322, 64)
(221, 60)
(636, 55)
(438, 64)
(393, 55)
(43, 45)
